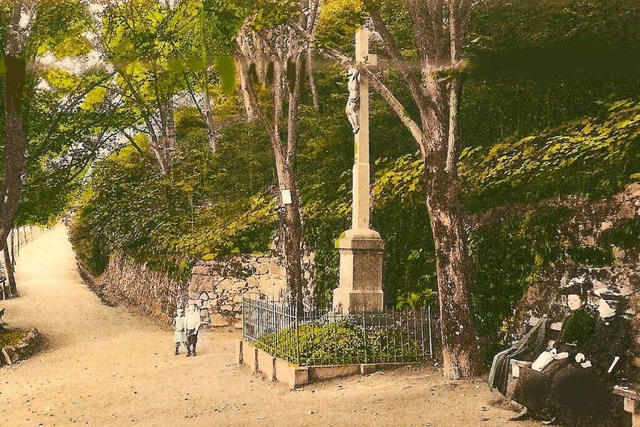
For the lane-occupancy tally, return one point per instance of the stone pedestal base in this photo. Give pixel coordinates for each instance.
(361, 259)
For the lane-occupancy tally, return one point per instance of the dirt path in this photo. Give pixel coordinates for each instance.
(105, 366)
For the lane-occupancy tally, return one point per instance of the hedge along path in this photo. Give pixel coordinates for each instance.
(106, 366)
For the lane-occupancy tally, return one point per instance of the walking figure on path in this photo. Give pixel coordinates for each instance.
(179, 328)
(192, 326)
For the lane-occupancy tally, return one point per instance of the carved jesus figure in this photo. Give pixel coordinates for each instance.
(353, 103)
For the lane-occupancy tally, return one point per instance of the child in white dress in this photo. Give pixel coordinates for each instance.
(179, 325)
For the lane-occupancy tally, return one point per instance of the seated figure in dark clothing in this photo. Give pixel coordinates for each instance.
(581, 393)
(534, 383)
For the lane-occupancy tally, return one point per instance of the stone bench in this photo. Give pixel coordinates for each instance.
(517, 364)
(631, 402)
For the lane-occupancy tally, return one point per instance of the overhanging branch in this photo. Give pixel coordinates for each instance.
(393, 102)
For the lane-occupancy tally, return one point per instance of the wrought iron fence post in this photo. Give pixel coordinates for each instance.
(297, 326)
(364, 331)
(430, 340)
(274, 328)
(415, 334)
(244, 319)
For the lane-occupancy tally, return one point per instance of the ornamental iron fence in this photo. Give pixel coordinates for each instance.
(318, 337)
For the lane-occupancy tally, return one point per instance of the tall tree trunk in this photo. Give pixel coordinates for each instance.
(290, 214)
(292, 236)
(210, 122)
(8, 265)
(249, 111)
(167, 140)
(16, 136)
(438, 42)
(454, 275)
(454, 264)
(312, 81)
(294, 210)
(16, 141)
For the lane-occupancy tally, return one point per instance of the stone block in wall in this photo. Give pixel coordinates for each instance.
(633, 191)
(225, 284)
(200, 270)
(199, 284)
(627, 211)
(263, 282)
(275, 269)
(218, 320)
(589, 241)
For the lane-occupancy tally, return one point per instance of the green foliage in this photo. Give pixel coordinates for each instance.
(594, 156)
(90, 246)
(511, 253)
(199, 210)
(625, 236)
(226, 69)
(338, 22)
(557, 162)
(338, 343)
(591, 256)
(503, 25)
(10, 337)
(59, 29)
(418, 299)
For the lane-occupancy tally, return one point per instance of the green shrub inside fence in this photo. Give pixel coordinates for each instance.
(340, 343)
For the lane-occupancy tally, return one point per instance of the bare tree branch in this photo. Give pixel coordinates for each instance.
(253, 99)
(399, 61)
(277, 105)
(393, 102)
(312, 82)
(294, 104)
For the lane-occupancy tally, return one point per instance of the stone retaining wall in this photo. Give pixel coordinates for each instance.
(590, 225)
(135, 284)
(219, 285)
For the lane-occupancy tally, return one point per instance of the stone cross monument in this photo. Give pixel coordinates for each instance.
(361, 248)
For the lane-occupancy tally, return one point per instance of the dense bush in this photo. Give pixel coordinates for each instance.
(168, 221)
(513, 240)
(339, 343)
(626, 236)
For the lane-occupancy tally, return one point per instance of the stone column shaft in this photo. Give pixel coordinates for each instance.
(361, 249)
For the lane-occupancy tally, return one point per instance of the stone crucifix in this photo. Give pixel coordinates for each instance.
(357, 110)
(361, 248)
